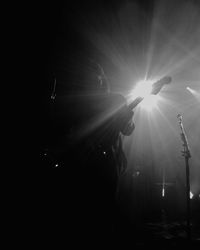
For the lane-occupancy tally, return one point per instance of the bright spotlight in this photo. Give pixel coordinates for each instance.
(147, 91)
(195, 93)
(163, 192)
(190, 90)
(191, 195)
(149, 102)
(143, 89)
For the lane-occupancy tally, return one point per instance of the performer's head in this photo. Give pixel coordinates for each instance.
(103, 81)
(97, 80)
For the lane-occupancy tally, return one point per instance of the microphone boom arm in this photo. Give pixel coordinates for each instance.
(186, 150)
(187, 155)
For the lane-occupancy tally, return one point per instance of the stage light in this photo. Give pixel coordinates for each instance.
(190, 90)
(136, 174)
(191, 195)
(195, 93)
(163, 192)
(143, 88)
(149, 102)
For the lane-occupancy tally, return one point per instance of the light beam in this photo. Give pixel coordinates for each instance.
(143, 89)
(195, 93)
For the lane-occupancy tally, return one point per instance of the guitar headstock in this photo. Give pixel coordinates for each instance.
(157, 86)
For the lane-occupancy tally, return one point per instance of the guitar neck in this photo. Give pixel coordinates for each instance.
(135, 102)
(156, 87)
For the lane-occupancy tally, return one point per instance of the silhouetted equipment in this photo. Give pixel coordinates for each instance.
(187, 155)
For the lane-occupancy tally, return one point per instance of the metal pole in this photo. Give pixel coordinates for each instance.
(188, 197)
(187, 155)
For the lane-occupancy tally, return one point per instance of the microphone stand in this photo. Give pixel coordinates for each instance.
(53, 94)
(187, 155)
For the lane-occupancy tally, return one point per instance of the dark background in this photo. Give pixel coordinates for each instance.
(54, 45)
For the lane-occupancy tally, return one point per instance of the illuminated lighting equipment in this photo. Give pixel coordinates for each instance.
(195, 93)
(191, 195)
(190, 90)
(136, 173)
(163, 192)
(143, 89)
(149, 102)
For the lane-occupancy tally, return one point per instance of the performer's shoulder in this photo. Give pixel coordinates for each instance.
(118, 97)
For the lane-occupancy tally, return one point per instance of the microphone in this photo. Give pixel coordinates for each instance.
(179, 116)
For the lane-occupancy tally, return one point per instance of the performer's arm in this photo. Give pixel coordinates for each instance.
(127, 123)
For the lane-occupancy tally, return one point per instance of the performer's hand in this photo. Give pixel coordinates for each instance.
(128, 128)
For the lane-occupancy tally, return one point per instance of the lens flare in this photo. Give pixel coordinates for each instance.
(195, 93)
(163, 192)
(149, 102)
(190, 90)
(143, 88)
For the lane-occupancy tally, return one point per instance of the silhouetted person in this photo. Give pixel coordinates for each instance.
(89, 145)
(101, 119)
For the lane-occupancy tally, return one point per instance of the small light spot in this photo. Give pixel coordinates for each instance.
(163, 192)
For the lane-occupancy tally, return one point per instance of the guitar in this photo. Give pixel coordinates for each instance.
(156, 87)
(118, 153)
